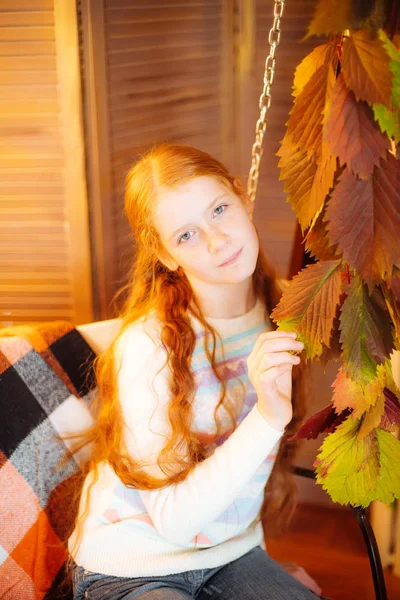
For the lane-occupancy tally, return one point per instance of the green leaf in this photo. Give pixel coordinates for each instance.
(356, 470)
(351, 132)
(308, 306)
(348, 468)
(365, 333)
(388, 484)
(394, 310)
(389, 120)
(394, 56)
(365, 67)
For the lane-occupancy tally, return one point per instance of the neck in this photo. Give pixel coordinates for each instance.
(229, 301)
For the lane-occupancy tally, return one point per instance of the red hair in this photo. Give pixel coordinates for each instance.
(153, 287)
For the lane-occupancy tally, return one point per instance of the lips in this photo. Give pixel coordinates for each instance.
(232, 258)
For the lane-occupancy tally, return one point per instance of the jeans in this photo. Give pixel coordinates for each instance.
(254, 576)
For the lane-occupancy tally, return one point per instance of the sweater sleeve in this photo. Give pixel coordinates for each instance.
(214, 484)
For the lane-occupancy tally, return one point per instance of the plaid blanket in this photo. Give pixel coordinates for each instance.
(45, 383)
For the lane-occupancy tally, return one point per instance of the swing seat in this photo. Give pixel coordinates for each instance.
(46, 383)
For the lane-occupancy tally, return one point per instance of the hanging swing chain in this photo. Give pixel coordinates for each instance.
(265, 100)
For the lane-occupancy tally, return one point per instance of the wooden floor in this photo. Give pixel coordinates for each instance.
(328, 543)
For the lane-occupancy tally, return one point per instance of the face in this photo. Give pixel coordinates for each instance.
(202, 224)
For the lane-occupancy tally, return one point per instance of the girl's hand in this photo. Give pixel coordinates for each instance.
(270, 367)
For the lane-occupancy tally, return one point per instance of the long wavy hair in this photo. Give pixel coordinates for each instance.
(153, 288)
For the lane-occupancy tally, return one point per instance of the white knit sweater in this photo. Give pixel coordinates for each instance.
(210, 518)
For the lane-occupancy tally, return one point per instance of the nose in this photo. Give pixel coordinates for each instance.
(216, 240)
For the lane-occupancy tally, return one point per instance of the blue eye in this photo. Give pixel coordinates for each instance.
(183, 238)
(218, 207)
(189, 234)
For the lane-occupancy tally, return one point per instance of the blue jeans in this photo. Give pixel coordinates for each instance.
(254, 576)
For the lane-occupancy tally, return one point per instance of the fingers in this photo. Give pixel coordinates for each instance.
(273, 345)
(271, 335)
(276, 359)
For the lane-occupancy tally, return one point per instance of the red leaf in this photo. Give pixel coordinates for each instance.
(391, 416)
(394, 283)
(364, 220)
(352, 133)
(324, 421)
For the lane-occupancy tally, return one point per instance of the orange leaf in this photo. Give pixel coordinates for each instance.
(350, 393)
(364, 220)
(365, 67)
(304, 127)
(352, 133)
(309, 303)
(317, 242)
(324, 53)
(307, 183)
(330, 16)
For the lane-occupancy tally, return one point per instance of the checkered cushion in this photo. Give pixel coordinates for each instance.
(45, 384)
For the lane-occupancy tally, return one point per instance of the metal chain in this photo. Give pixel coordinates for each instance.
(265, 100)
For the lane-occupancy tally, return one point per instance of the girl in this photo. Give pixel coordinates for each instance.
(194, 396)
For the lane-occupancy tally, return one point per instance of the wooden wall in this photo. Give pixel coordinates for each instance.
(86, 88)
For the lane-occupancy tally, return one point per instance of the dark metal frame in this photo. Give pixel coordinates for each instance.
(369, 539)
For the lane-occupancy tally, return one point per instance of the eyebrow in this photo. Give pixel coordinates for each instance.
(207, 209)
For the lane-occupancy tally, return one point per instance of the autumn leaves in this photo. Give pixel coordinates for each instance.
(342, 176)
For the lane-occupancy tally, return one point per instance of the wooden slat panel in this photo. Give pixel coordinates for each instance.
(27, 49)
(38, 93)
(273, 215)
(153, 113)
(33, 160)
(164, 82)
(29, 5)
(31, 199)
(20, 107)
(164, 41)
(28, 63)
(158, 4)
(159, 71)
(15, 18)
(163, 14)
(133, 56)
(14, 34)
(37, 279)
(24, 77)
